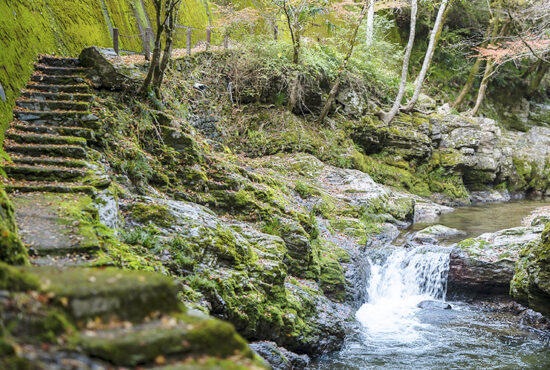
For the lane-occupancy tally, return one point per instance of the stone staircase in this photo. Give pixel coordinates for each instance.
(48, 139)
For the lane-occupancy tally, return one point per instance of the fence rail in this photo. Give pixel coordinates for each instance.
(147, 36)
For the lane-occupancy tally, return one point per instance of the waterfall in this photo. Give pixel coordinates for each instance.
(397, 285)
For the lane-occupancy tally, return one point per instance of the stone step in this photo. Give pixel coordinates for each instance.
(86, 293)
(168, 337)
(54, 61)
(58, 71)
(27, 138)
(48, 187)
(45, 96)
(58, 118)
(81, 88)
(48, 161)
(40, 150)
(85, 133)
(43, 173)
(51, 105)
(57, 80)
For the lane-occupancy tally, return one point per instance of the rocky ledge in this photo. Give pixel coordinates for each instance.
(484, 266)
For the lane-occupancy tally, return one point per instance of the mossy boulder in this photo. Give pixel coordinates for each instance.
(531, 282)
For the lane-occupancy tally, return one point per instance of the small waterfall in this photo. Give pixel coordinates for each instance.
(396, 286)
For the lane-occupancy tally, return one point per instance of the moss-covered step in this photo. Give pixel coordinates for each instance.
(182, 336)
(58, 61)
(47, 161)
(58, 71)
(43, 173)
(87, 293)
(48, 187)
(51, 105)
(56, 224)
(81, 88)
(57, 80)
(40, 150)
(29, 138)
(81, 132)
(42, 95)
(61, 118)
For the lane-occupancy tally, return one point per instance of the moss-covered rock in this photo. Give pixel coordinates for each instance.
(531, 282)
(12, 250)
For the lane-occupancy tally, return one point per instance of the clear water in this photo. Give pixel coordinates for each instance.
(393, 333)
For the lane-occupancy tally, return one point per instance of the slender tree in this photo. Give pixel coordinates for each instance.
(388, 117)
(351, 44)
(434, 36)
(370, 23)
(166, 14)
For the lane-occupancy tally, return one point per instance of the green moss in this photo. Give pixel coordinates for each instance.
(12, 250)
(152, 213)
(305, 190)
(16, 279)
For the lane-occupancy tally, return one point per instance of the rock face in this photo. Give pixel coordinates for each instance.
(531, 282)
(476, 149)
(485, 265)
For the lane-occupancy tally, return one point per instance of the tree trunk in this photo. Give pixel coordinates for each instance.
(344, 64)
(534, 83)
(370, 23)
(167, 53)
(434, 37)
(155, 60)
(468, 85)
(483, 87)
(296, 49)
(388, 117)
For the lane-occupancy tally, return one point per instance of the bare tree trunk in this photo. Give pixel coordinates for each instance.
(370, 23)
(155, 60)
(436, 31)
(388, 117)
(167, 53)
(468, 85)
(344, 64)
(483, 87)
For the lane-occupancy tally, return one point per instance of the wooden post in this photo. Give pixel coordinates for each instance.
(276, 32)
(188, 40)
(147, 44)
(208, 38)
(115, 40)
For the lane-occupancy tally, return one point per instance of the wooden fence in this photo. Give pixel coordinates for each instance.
(148, 36)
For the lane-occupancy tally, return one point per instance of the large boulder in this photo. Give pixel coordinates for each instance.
(485, 265)
(104, 72)
(531, 282)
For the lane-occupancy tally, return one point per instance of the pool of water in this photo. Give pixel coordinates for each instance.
(392, 332)
(485, 217)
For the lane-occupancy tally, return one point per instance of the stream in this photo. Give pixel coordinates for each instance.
(392, 332)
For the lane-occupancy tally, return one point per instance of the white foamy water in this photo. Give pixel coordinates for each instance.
(396, 286)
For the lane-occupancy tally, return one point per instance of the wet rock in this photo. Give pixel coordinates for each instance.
(433, 234)
(429, 212)
(104, 73)
(280, 358)
(485, 265)
(434, 305)
(2, 93)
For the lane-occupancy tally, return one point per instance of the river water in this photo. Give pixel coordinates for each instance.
(392, 332)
